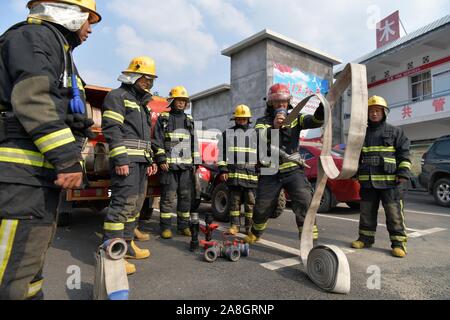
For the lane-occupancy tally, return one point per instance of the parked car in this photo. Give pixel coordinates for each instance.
(435, 176)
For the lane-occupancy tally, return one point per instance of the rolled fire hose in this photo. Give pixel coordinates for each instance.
(327, 266)
(111, 281)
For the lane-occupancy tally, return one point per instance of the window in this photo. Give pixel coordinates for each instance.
(443, 148)
(305, 154)
(421, 86)
(441, 83)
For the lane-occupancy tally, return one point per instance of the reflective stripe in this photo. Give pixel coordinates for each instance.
(160, 152)
(7, 233)
(189, 117)
(287, 165)
(263, 126)
(130, 220)
(165, 114)
(114, 115)
(179, 161)
(54, 140)
(377, 178)
(177, 136)
(135, 152)
(79, 82)
(235, 213)
(390, 160)
(34, 288)
(26, 157)
(132, 105)
(367, 233)
(405, 164)
(239, 149)
(242, 176)
(196, 154)
(165, 215)
(378, 149)
(108, 226)
(248, 214)
(294, 123)
(399, 238)
(222, 164)
(117, 151)
(184, 214)
(260, 227)
(302, 119)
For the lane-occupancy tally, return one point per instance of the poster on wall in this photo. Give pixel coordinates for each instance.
(302, 85)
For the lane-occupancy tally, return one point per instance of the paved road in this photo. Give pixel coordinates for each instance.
(272, 271)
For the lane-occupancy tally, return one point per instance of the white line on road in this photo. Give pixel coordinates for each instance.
(425, 232)
(429, 214)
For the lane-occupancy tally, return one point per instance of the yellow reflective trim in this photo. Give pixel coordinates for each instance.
(160, 152)
(26, 157)
(184, 214)
(165, 114)
(243, 176)
(235, 213)
(248, 214)
(79, 82)
(367, 233)
(390, 160)
(239, 149)
(117, 151)
(263, 126)
(196, 154)
(135, 152)
(114, 116)
(54, 140)
(287, 165)
(405, 164)
(165, 215)
(108, 226)
(177, 136)
(302, 119)
(132, 105)
(8, 230)
(130, 220)
(377, 178)
(222, 164)
(294, 123)
(34, 288)
(260, 227)
(179, 161)
(378, 149)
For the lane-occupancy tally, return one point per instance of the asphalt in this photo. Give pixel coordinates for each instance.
(174, 273)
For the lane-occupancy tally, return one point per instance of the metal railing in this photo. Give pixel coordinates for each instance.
(424, 98)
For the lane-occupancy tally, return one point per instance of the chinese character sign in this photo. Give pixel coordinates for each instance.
(388, 30)
(439, 104)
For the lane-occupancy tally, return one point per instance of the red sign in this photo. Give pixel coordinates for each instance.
(407, 112)
(388, 30)
(439, 104)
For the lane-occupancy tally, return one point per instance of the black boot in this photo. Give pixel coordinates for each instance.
(248, 225)
(195, 245)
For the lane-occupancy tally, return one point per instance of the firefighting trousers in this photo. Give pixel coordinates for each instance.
(237, 196)
(269, 187)
(27, 228)
(127, 197)
(392, 200)
(176, 190)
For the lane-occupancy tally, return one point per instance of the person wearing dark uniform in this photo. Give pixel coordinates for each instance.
(383, 174)
(289, 175)
(176, 156)
(43, 125)
(237, 167)
(126, 126)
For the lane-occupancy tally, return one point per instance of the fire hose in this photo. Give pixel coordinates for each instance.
(327, 266)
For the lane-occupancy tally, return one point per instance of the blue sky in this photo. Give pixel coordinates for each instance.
(186, 37)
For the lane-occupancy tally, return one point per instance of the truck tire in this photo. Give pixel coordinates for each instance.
(326, 202)
(280, 206)
(220, 203)
(441, 192)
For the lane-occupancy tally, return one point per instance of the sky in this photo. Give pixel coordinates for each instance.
(186, 38)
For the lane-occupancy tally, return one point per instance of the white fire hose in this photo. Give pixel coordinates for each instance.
(327, 266)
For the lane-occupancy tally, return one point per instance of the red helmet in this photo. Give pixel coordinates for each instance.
(278, 91)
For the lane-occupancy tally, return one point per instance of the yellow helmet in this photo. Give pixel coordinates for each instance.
(242, 111)
(142, 65)
(378, 101)
(88, 5)
(178, 92)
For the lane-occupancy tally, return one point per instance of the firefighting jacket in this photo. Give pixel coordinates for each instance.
(385, 156)
(238, 157)
(175, 141)
(126, 125)
(36, 141)
(288, 137)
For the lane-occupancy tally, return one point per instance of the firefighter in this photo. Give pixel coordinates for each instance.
(383, 173)
(238, 167)
(126, 126)
(42, 129)
(289, 176)
(176, 155)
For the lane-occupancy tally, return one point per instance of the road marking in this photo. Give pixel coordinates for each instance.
(275, 265)
(429, 214)
(354, 220)
(425, 232)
